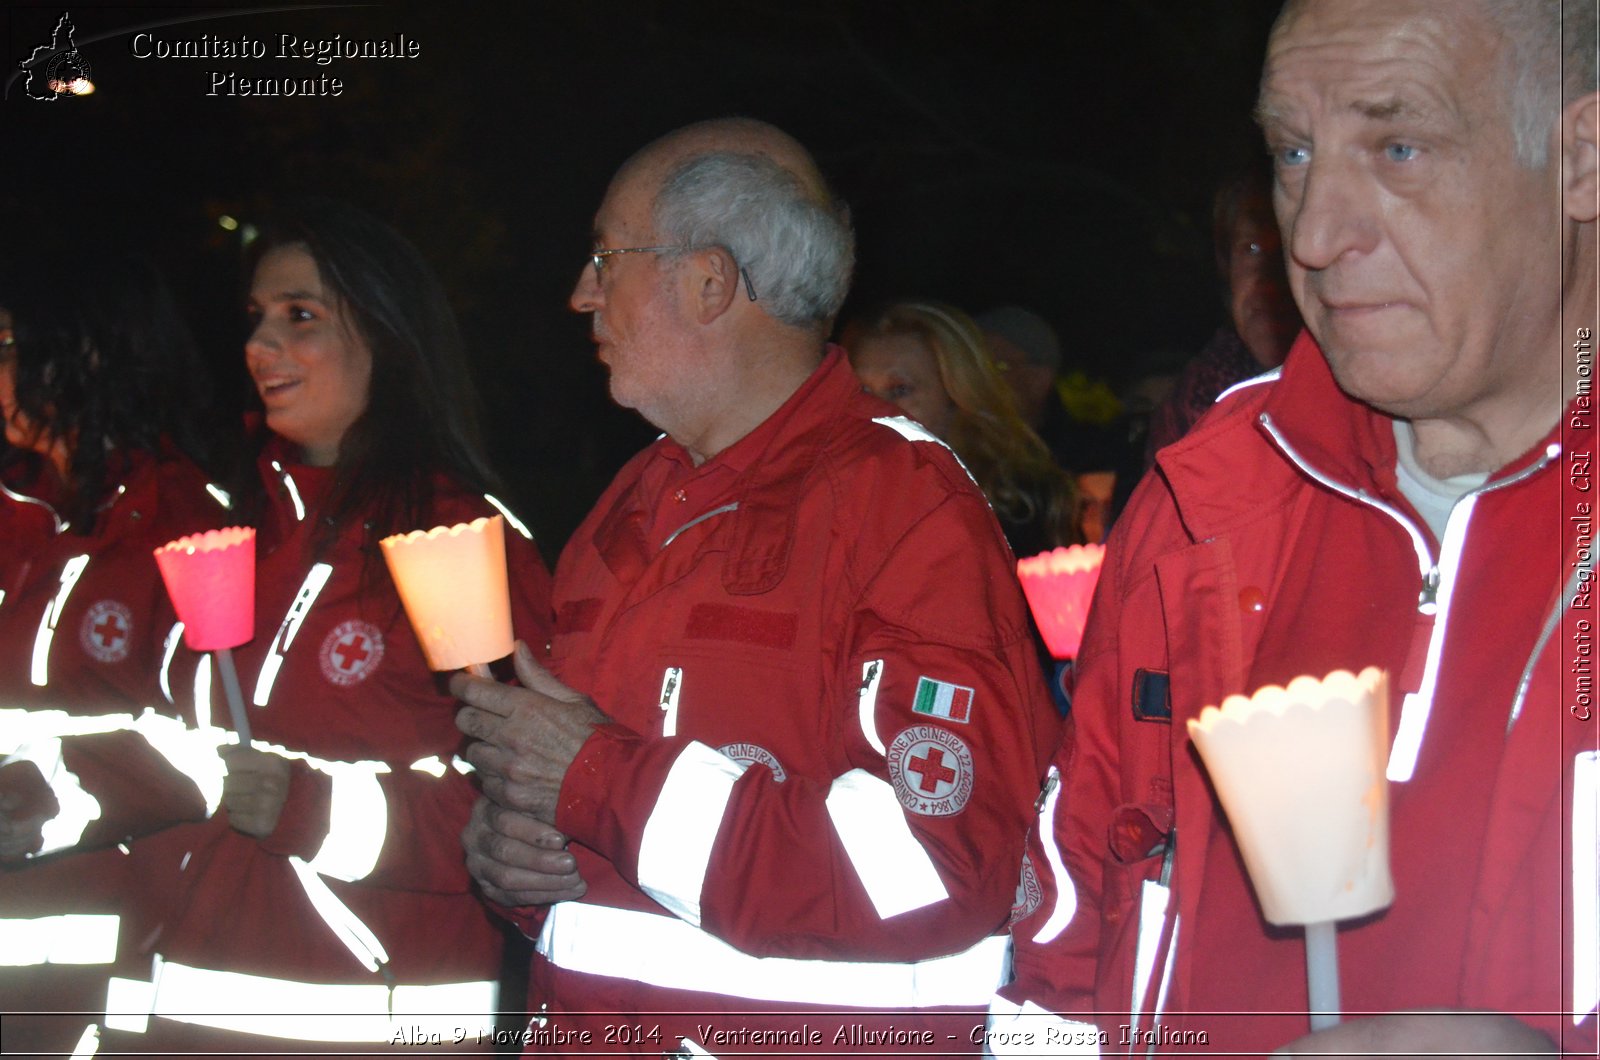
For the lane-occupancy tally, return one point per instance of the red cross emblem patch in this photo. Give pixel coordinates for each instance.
(107, 631)
(931, 770)
(351, 652)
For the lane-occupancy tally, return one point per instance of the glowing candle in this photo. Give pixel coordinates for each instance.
(1300, 773)
(211, 578)
(452, 581)
(1059, 586)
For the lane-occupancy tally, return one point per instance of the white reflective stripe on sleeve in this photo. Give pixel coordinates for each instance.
(192, 752)
(911, 430)
(676, 846)
(516, 524)
(70, 573)
(294, 491)
(322, 1012)
(77, 807)
(88, 1043)
(693, 1048)
(461, 765)
(1166, 974)
(316, 578)
(69, 938)
(1416, 706)
(355, 935)
(896, 871)
(671, 688)
(222, 496)
(1585, 885)
(1153, 898)
(1066, 904)
(867, 703)
(433, 766)
(664, 951)
(202, 692)
(1028, 1030)
(169, 649)
(358, 821)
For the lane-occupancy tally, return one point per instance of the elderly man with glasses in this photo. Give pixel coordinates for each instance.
(771, 792)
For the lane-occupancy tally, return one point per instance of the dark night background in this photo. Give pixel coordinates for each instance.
(1057, 154)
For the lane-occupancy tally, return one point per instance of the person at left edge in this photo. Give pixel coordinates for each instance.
(101, 390)
(327, 906)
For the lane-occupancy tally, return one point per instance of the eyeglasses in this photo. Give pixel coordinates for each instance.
(597, 258)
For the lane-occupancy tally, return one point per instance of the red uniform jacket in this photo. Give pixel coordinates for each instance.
(359, 902)
(830, 729)
(1274, 542)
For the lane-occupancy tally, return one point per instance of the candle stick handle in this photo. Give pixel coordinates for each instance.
(230, 685)
(1322, 974)
(480, 670)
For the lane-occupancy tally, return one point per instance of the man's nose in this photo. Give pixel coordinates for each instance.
(587, 294)
(1332, 213)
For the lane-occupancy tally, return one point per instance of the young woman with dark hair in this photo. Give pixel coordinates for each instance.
(324, 904)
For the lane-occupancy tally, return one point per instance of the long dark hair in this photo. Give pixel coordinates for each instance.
(421, 416)
(105, 363)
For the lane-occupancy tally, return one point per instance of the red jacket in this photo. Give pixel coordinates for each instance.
(771, 826)
(362, 886)
(1274, 542)
(83, 625)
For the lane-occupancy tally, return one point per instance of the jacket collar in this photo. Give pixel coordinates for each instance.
(1342, 438)
(788, 447)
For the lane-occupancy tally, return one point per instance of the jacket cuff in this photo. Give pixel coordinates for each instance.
(595, 792)
(303, 822)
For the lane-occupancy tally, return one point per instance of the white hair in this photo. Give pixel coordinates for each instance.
(797, 248)
(1543, 37)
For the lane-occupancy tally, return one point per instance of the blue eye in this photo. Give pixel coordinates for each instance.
(1293, 156)
(1399, 152)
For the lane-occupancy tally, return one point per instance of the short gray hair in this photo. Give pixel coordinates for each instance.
(1544, 36)
(797, 247)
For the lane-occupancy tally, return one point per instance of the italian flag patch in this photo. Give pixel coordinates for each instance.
(941, 699)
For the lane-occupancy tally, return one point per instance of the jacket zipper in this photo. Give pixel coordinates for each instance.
(1438, 583)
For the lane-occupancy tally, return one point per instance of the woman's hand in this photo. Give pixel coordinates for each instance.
(254, 790)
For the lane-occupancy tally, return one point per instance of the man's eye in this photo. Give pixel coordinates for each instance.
(1399, 152)
(898, 391)
(300, 314)
(1292, 156)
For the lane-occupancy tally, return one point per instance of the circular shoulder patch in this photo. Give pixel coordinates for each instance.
(1029, 893)
(107, 631)
(931, 770)
(749, 754)
(351, 652)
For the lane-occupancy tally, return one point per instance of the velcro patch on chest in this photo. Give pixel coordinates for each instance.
(743, 625)
(578, 616)
(1152, 698)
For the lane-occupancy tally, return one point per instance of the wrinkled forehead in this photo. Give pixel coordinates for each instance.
(1386, 60)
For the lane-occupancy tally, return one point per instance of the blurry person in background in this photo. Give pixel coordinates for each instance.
(931, 361)
(1262, 318)
(102, 395)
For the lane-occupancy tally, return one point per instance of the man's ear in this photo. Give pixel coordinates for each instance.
(1580, 158)
(716, 279)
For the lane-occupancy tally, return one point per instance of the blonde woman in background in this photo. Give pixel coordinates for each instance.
(931, 360)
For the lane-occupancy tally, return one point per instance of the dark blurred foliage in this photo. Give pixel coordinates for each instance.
(1058, 154)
